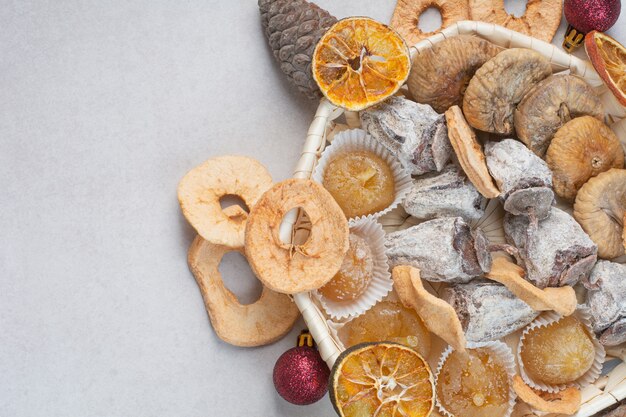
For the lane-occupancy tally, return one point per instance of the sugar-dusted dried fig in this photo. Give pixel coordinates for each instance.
(445, 194)
(581, 149)
(439, 75)
(469, 152)
(606, 299)
(549, 105)
(555, 252)
(600, 207)
(523, 178)
(499, 85)
(413, 132)
(487, 310)
(291, 267)
(443, 249)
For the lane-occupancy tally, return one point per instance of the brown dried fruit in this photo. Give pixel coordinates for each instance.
(540, 20)
(439, 75)
(469, 153)
(406, 16)
(260, 323)
(566, 401)
(581, 149)
(200, 191)
(291, 268)
(499, 85)
(439, 316)
(562, 299)
(549, 105)
(600, 207)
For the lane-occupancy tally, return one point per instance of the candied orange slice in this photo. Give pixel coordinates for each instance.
(360, 62)
(608, 57)
(382, 380)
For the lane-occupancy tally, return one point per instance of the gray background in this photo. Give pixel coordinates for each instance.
(104, 106)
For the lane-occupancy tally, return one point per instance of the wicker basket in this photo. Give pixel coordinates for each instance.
(611, 387)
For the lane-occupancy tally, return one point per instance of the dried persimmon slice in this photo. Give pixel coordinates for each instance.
(359, 62)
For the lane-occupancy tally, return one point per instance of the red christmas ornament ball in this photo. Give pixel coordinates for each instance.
(588, 15)
(301, 376)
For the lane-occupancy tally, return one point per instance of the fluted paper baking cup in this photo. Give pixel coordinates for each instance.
(501, 352)
(354, 140)
(380, 285)
(588, 377)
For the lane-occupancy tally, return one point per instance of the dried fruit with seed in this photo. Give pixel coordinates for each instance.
(555, 252)
(413, 132)
(469, 153)
(498, 86)
(606, 299)
(293, 28)
(523, 178)
(549, 105)
(359, 62)
(439, 75)
(608, 57)
(583, 148)
(443, 249)
(600, 207)
(445, 194)
(488, 311)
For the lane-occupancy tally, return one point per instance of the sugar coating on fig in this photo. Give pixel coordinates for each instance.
(582, 148)
(413, 132)
(600, 207)
(523, 178)
(499, 85)
(555, 252)
(448, 193)
(439, 75)
(549, 105)
(445, 250)
(487, 310)
(606, 295)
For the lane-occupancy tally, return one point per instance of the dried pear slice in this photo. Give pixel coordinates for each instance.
(599, 208)
(566, 401)
(439, 75)
(200, 191)
(290, 268)
(499, 85)
(469, 153)
(581, 149)
(549, 105)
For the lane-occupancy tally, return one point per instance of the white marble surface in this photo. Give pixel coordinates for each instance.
(104, 105)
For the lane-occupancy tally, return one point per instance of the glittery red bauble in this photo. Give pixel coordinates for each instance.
(301, 376)
(588, 15)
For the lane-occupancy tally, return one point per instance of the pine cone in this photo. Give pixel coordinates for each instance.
(293, 28)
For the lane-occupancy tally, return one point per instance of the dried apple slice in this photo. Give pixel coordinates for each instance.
(566, 401)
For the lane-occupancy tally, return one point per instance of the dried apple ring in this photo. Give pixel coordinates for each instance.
(406, 15)
(291, 268)
(201, 189)
(260, 323)
(566, 401)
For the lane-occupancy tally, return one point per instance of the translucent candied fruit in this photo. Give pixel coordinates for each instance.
(388, 321)
(473, 385)
(355, 273)
(361, 182)
(558, 353)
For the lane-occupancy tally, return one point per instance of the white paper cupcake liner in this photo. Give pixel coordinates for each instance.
(503, 354)
(358, 140)
(380, 285)
(589, 377)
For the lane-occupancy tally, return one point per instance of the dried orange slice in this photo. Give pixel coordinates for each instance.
(382, 380)
(608, 57)
(359, 62)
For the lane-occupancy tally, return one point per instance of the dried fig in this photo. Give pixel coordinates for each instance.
(439, 75)
(606, 299)
(499, 85)
(600, 207)
(286, 267)
(549, 105)
(581, 149)
(523, 178)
